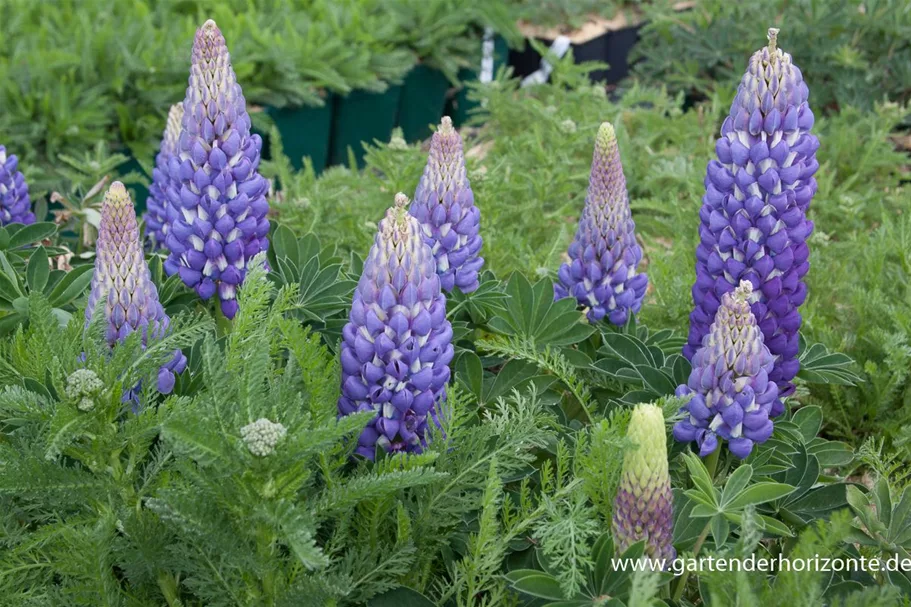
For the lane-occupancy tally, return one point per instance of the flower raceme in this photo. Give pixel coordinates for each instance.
(644, 506)
(156, 217)
(216, 205)
(122, 289)
(396, 347)
(15, 205)
(444, 204)
(604, 256)
(753, 218)
(732, 394)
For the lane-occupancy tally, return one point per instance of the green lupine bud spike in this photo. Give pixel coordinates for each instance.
(643, 509)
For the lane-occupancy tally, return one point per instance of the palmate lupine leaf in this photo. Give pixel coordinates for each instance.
(324, 289)
(531, 313)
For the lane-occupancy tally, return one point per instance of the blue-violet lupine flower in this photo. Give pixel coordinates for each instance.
(396, 346)
(122, 287)
(15, 205)
(216, 203)
(444, 204)
(732, 393)
(753, 218)
(604, 256)
(644, 506)
(156, 216)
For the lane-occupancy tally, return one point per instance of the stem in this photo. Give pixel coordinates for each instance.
(681, 584)
(711, 464)
(223, 324)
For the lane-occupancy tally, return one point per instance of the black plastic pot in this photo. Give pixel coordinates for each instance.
(305, 131)
(422, 102)
(362, 116)
(459, 106)
(612, 47)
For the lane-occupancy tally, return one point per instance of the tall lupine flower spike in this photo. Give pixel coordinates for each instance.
(644, 506)
(602, 273)
(753, 218)
(396, 346)
(156, 216)
(444, 204)
(122, 288)
(732, 393)
(216, 197)
(15, 205)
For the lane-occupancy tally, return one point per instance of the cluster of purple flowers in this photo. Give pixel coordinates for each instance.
(15, 205)
(211, 200)
(396, 347)
(604, 256)
(753, 218)
(122, 289)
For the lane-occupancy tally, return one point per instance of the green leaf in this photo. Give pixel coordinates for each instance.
(470, 373)
(700, 476)
(760, 493)
(809, 420)
(535, 583)
(739, 479)
(37, 271)
(720, 530)
(31, 234)
(656, 380)
(71, 286)
(819, 366)
(401, 597)
(820, 500)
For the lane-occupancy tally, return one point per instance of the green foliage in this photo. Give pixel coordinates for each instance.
(855, 52)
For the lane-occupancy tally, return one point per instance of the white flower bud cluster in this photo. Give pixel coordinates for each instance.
(262, 435)
(82, 386)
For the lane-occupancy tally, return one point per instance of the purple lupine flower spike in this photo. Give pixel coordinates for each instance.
(15, 204)
(753, 218)
(216, 205)
(122, 288)
(732, 394)
(444, 204)
(396, 347)
(604, 256)
(156, 216)
(644, 506)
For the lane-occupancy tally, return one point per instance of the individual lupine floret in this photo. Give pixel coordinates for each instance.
(753, 218)
(604, 256)
(122, 288)
(216, 197)
(732, 393)
(83, 386)
(644, 506)
(396, 347)
(15, 204)
(262, 436)
(156, 216)
(444, 204)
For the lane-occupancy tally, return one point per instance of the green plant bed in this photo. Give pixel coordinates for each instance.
(305, 131)
(422, 102)
(362, 116)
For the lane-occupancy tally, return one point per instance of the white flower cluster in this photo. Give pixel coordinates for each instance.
(262, 435)
(568, 126)
(83, 385)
